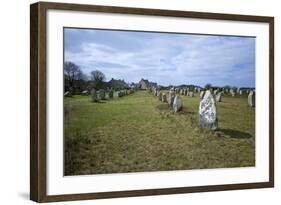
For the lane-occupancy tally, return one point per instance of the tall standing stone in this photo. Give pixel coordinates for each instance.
(177, 104)
(85, 92)
(102, 94)
(182, 92)
(119, 94)
(171, 98)
(155, 92)
(252, 99)
(218, 97)
(110, 93)
(232, 92)
(160, 96)
(164, 97)
(202, 93)
(94, 96)
(67, 94)
(208, 112)
(191, 94)
(215, 92)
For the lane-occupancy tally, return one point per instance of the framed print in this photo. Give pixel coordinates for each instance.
(133, 102)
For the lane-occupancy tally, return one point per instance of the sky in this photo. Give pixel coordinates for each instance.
(164, 58)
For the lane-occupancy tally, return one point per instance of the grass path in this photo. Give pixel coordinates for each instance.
(139, 133)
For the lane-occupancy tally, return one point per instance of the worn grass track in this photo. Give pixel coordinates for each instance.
(139, 133)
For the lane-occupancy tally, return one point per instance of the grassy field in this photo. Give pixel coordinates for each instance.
(139, 133)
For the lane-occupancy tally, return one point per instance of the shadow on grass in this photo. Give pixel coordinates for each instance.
(186, 111)
(235, 134)
(99, 102)
(166, 107)
(163, 107)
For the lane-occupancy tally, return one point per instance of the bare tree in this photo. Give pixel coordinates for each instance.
(97, 78)
(72, 74)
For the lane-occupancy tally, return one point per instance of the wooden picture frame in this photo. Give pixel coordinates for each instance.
(38, 100)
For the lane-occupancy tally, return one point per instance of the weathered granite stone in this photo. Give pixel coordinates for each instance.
(182, 91)
(241, 92)
(102, 94)
(185, 92)
(119, 94)
(160, 96)
(110, 93)
(67, 94)
(85, 92)
(218, 97)
(215, 92)
(177, 104)
(232, 92)
(191, 94)
(208, 112)
(202, 93)
(171, 98)
(164, 97)
(155, 92)
(94, 96)
(252, 99)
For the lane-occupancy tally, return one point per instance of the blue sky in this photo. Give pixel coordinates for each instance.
(167, 59)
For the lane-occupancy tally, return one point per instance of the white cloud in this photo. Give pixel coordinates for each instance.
(171, 59)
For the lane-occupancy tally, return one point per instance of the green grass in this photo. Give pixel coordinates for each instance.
(139, 133)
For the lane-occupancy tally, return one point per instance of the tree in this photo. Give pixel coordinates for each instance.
(74, 77)
(208, 86)
(97, 78)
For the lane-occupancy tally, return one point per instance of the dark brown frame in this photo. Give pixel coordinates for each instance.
(38, 97)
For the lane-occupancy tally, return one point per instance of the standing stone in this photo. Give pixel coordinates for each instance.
(202, 93)
(164, 97)
(232, 92)
(102, 94)
(215, 92)
(171, 98)
(185, 92)
(241, 92)
(119, 94)
(160, 96)
(94, 96)
(218, 97)
(251, 99)
(208, 112)
(182, 92)
(191, 94)
(67, 94)
(85, 92)
(110, 93)
(155, 92)
(177, 104)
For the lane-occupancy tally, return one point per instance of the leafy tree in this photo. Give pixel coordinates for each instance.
(97, 78)
(208, 86)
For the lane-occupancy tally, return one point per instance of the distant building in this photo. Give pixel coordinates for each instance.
(117, 84)
(145, 84)
(134, 85)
